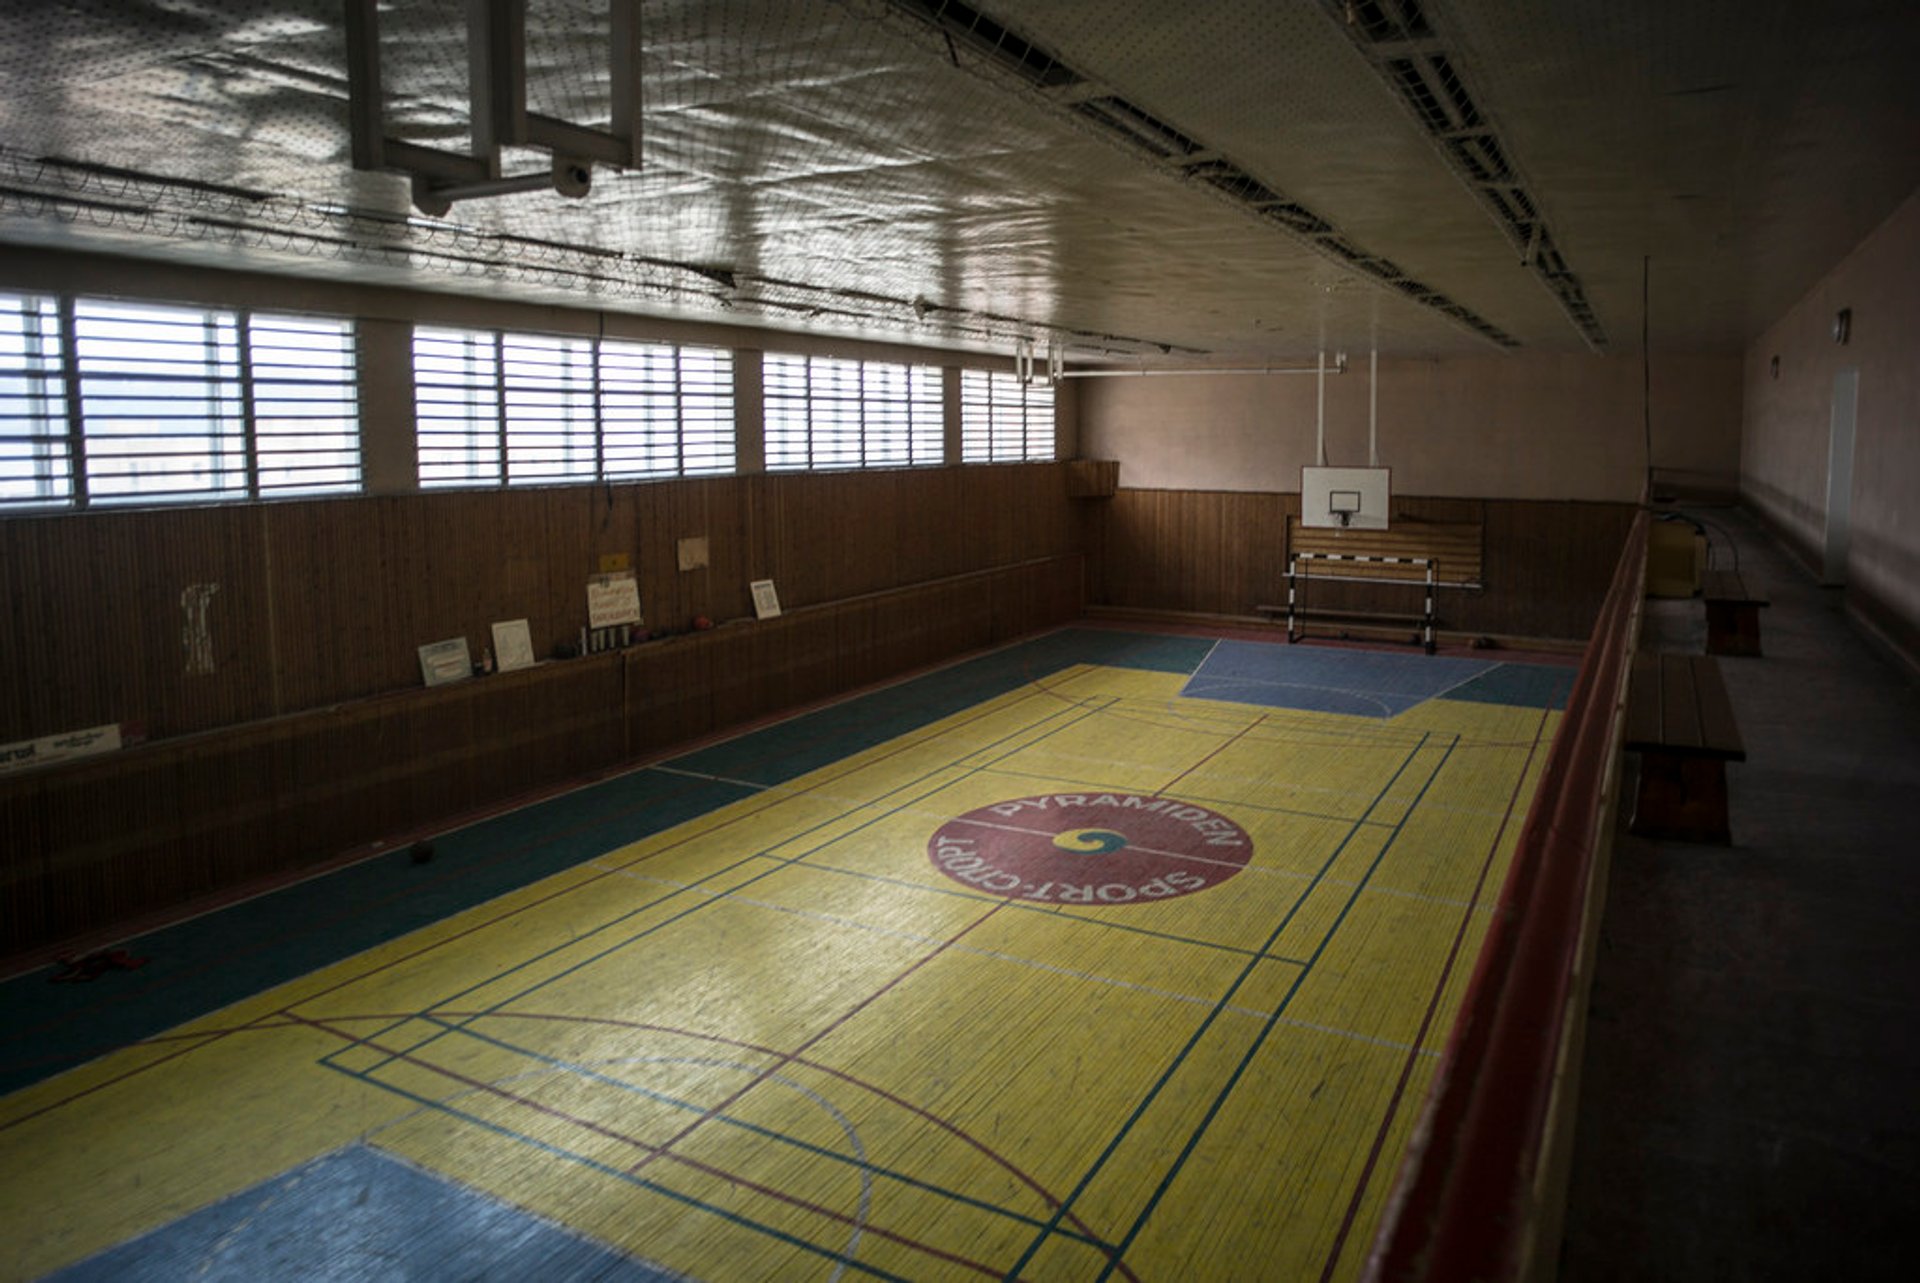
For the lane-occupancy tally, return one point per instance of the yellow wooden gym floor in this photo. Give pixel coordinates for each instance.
(1116, 971)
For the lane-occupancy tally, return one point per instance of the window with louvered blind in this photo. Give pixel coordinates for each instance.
(105, 402)
(523, 409)
(824, 413)
(1003, 420)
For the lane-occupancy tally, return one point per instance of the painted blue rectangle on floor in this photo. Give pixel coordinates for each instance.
(1358, 683)
(359, 1214)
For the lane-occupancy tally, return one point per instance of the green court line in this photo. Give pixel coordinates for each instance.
(769, 1133)
(606, 1169)
(611, 949)
(219, 958)
(1239, 1071)
(1200, 1031)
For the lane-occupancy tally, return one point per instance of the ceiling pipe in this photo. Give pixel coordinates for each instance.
(1339, 366)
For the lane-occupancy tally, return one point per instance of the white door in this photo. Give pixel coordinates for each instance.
(1846, 393)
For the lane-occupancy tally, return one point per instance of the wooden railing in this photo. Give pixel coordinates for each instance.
(1482, 1189)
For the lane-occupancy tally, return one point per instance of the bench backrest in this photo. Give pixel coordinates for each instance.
(1453, 546)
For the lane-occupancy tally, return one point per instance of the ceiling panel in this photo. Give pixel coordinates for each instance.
(849, 166)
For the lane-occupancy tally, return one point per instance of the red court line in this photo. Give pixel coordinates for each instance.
(732, 1178)
(1214, 752)
(1426, 1020)
(208, 905)
(202, 1040)
(268, 1024)
(777, 797)
(787, 1058)
(918, 1111)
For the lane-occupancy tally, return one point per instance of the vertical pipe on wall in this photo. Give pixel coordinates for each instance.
(1373, 408)
(1320, 409)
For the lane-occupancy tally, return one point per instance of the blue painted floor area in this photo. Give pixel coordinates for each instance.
(1358, 683)
(1362, 683)
(1520, 686)
(789, 749)
(359, 1214)
(211, 961)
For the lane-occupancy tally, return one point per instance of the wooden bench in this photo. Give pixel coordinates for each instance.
(1680, 721)
(1733, 614)
(1369, 571)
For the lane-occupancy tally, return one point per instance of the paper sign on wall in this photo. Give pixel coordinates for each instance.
(445, 661)
(512, 645)
(612, 600)
(56, 748)
(766, 602)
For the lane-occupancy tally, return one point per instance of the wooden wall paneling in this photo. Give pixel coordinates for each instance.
(496, 764)
(469, 537)
(579, 527)
(327, 601)
(730, 558)
(756, 552)
(1016, 602)
(795, 518)
(141, 618)
(667, 700)
(432, 739)
(113, 828)
(540, 726)
(864, 508)
(848, 532)
(852, 640)
(1029, 598)
(27, 646)
(25, 859)
(1548, 564)
(896, 621)
(1455, 547)
(1145, 558)
(744, 664)
(392, 538)
(929, 524)
(228, 813)
(344, 579)
(665, 594)
(812, 668)
(340, 778)
(708, 506)
(96, 626)
(509, 570)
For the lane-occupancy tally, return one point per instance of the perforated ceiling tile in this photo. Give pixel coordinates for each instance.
(1137, 177)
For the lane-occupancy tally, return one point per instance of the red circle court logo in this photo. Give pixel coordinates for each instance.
(1091, 848)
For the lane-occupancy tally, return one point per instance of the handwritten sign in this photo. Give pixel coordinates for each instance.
(612, 600)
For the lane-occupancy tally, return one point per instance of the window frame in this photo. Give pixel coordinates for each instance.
(983, 421)
(621, 389)
(920, 443)
(120, 385)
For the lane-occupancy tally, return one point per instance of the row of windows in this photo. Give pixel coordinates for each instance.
(104, 402)
(524, 409)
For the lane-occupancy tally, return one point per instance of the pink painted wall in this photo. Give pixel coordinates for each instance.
(1784, 442)
(1518, 426)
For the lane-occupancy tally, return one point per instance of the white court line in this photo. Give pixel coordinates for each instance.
(1000, 956)
(714, 779)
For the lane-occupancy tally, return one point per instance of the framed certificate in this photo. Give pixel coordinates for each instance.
(512, 646)
(446, 661)
(766, 602)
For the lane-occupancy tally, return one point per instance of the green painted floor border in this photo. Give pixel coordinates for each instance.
(219, 958)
